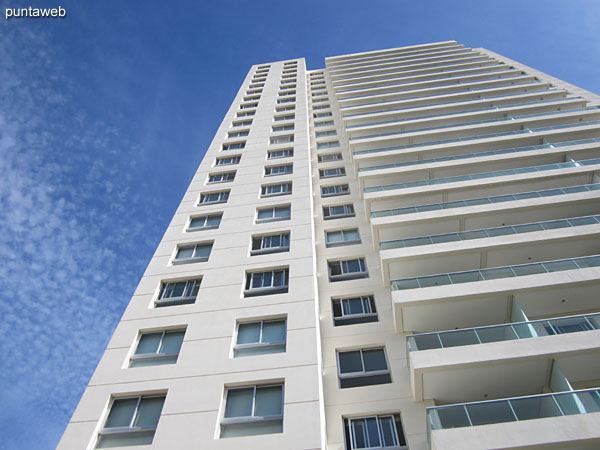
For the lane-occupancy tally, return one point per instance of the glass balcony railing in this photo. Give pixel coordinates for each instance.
(478, 122)
(491, 108)
(513, 409)
(434, 80)
(485, 200)
(495, 273)
(504, 332)
(480, 154)
(426, 64)
(489, 232)
(481, 136)
(465, 90)
(446, 66)
(464, 100)
(478, 176)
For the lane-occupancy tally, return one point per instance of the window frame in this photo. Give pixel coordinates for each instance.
(342, 242)
(347, 207)
(241, 123)
(337, 192)
(273, 217)
(345, 273)
(227, 146)
(224, 421)
(282, 128)
(284, 100)
(326, 133)
(332, 172)
(265, 187)
(259, 344)
(350, 434)
(194, 259)
(330, 157)
(328, 144)
(223, 197)
(282, 139)
(266, 250)
(325, 123)
(286, 169)
(235, 159)
(285, 108)
(290, 150)
(249, 291)
(251, 105)
(156, 356)
(237, 133)
(282, 117)
(189, 227)
(246, 113)
(129, 430)
(225, 177)
(364, 373)
(161, 301)
(354, 319)
(317, 107)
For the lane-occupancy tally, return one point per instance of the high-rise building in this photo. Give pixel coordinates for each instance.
(398, 251)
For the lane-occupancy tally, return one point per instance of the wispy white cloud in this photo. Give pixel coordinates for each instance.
(76, 233)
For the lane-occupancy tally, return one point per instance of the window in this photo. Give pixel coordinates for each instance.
(330, 157)
(285, 108)
(131, 421)
(178, 293)
(242, 123)
(208, 222)
(323, 114)
(228, 160)
(287, 127)
(234, 145)
(285, 93)
(245, 113)
(363, 367)
(318, 94)
(315, 107)
(253, 410)
(331, 191)
(383, 431)
(279, 170)
(289, 84)
(284, 117)
(213, 197)
(240, 133)
(330, 144)
(315, 83)
(251, 97)
(347, 269)
(283, 153)
(336, 212)
(323, 123)
(329, 173)
(273, 214)
(286, 100)
(193, 253)
(325, 133)
(272, 190)
(293, 75)
(265, 283)
(256, 85)
(282, 139)
(353, 310)
(254, 91)
(222, 177)
(260, 338)
(158, 348)
(324, 99)
(342, 237)
(248, 105)
(272, 243)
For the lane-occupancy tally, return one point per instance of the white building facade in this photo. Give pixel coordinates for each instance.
(400, 251)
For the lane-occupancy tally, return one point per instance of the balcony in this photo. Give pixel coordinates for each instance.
(504, 332)
(534, 421)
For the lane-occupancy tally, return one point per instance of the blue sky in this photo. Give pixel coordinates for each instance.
(105, 115)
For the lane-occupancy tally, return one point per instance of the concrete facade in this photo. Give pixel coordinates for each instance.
(376, 212)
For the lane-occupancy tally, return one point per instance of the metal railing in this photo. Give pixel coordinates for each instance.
(480, 175)
(480, 154)
(495, 273)
(504, 332)
(513, 409)
(485, 200)
(490, 232)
